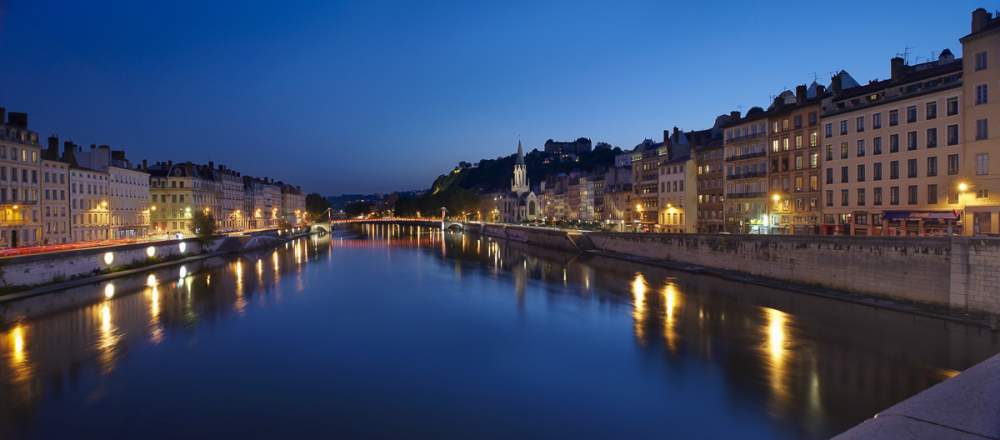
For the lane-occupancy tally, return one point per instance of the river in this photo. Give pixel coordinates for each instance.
(392, 331)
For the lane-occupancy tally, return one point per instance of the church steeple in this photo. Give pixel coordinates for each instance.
(520, 183)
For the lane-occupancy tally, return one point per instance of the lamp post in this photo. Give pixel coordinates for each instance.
(962, 189)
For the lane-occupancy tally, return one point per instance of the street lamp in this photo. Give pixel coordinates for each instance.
(776, 198)
(962, 189)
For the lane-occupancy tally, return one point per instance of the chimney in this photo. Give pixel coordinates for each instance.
(3, 115)
(897, 67)
(52, 153)
(800, 93)
(980, 19)
(666, 136)
(734, 116)
(820, 91)
(145, 165)
(17, 119)
(69, 153)
(835, 84)
(54, 142)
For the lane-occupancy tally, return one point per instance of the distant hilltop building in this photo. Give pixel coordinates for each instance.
(579, 146)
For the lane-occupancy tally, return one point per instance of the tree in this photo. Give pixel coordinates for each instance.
(316, 205)
(203, 224)
(358, 208)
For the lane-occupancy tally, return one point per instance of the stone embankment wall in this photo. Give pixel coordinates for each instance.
(36, 269)
(962, 273)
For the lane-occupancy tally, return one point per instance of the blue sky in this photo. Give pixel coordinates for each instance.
(385, 95)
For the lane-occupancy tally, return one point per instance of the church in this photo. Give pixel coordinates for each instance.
(520, 204)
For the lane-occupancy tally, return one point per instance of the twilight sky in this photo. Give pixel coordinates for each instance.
(385, 95)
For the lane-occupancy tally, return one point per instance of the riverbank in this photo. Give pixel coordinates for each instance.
(64, 270)
(953, 279)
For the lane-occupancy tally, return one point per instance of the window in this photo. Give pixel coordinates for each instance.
(911, 114)
(829, 176)
(877, 171)
(893, 143)
(784, 143)
(893, 118)
(877, 196)
(829, 152)
(859, 124)
(911, 168)
(982, 94)
(982, 164)
(813, 139)
(861, 173)
(861, 147)
(953, 134)
(843, 150)
(798, 121)
(798, 161)
(931, 110)
(894, 195)
(813, 183)
(829, 197)
(932, 194)
(829, 130)
(877, 145)
(813, 118)
(982, 131)
(911, 195)
(981, 60)
(931, 138)
(843, 174)
(952, 106)
(843, 197)
(894, 169)
(932, 166)
(799, 184)
(798, 141)
(843, 126)
(911, 140)
(813, 160)
(877, 121)
(775, 146)
(861, 197)
(952, 164)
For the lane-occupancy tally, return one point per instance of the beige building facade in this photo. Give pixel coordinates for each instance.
(980, 118)
(20, 170)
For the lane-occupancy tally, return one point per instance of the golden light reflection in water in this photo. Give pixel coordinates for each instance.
(639, 287)
(20, 364)
(777, 352)
(671, 302)
(274, 262)
(155, 329)
(107, 339)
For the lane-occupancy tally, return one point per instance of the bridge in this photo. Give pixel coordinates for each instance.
(443, 223)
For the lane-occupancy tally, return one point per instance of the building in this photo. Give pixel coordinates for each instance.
(177, 191)
(520, 204)
(55, 202)
(90, 208)
(980, 121)
(710, 179)
(574, 148)
(746, 202)
(229, 198)
(618, 206)
(293, 204)
(794, 171)
(262, 200)
(677, 192)
(20, 167)
(645, 177)
(892, 154)
(129, 198)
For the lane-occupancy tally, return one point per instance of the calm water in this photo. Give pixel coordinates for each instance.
(397, 332)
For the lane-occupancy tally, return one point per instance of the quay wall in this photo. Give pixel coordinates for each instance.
(960, 273)
(37, 269)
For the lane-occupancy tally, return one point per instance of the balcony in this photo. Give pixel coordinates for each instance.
(746, 156)
(749, 175)
(748, 195)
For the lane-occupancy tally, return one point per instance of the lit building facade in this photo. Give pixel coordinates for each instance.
(794, 158)
(55, 197)
(20, 169)
(746, 203)
(979, 203)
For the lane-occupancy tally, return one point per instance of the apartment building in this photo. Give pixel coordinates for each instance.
(892, 151)
(980, 120)
(177, 191)
(20, 167)
(618, 206)
(130, 198)
(677, 193)
(293, 204)
(55, 199)
(746, 203)
(710, 178)
(646, 158)
(262, 200)
(793, 157)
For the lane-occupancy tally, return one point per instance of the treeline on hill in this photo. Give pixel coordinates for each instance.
(460, 189)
